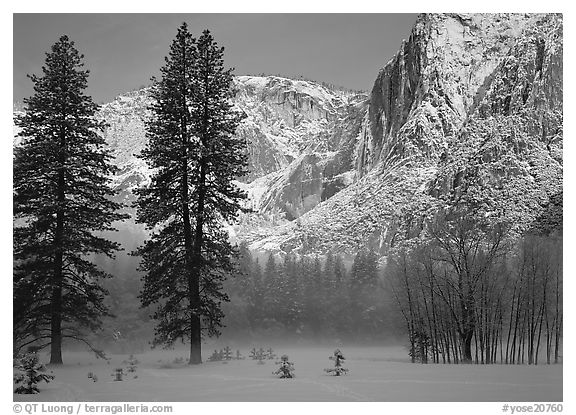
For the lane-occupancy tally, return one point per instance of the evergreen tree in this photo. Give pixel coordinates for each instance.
(341, 299)
(336, 292)
(62, 204)
(256, 295)
(338, 369)
(271, 288)
(291, 307)
(310, 273)
(329, 273)
(195, 157)
(364, 274)
(363, 285)
(240, 282)
(286, 369)
(29, 373)
(339, 273)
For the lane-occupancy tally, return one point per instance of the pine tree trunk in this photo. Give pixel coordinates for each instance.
(193, 250)
(195, 335)
(195, 254)
(56, 300)
(195, 326)
(193, 293)
(56, 318)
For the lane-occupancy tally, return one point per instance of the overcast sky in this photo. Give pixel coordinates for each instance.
(123, 51)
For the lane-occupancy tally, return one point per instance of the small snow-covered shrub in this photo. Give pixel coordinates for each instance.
(118, 374)
(338, 358)
(132, 363)
(270, 354)
(31, 373)
(286, 369)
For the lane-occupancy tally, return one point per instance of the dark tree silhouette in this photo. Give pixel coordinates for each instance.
(62, 204)
(195, 156)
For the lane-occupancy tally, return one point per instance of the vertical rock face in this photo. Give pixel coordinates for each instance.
(423, 95)
(299, 133)
(310, 129)
(530, 76)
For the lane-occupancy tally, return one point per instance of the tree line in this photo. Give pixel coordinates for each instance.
(510, 313)
(309, 297)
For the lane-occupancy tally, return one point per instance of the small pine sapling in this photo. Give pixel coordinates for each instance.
(92, 376)
(227, 353)
(270, 354)
(31, 373)
(215, 356)
(260, 356)
(286, 369)
(239, 356)
(118, 374)
(338, 358)
(132, 364)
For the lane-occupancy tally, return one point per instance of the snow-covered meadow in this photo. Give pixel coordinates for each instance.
(376, 374)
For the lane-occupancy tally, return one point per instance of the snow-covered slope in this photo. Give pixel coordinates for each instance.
(300, 136)
(126, 137)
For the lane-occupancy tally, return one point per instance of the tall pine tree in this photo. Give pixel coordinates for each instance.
(195, 157)
(62, 204)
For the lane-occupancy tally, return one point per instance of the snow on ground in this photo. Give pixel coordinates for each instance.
(376, 374)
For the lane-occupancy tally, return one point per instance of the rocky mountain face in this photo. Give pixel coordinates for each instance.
(454, 74)
(300, 139)
(423, 95)
(329, 168)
